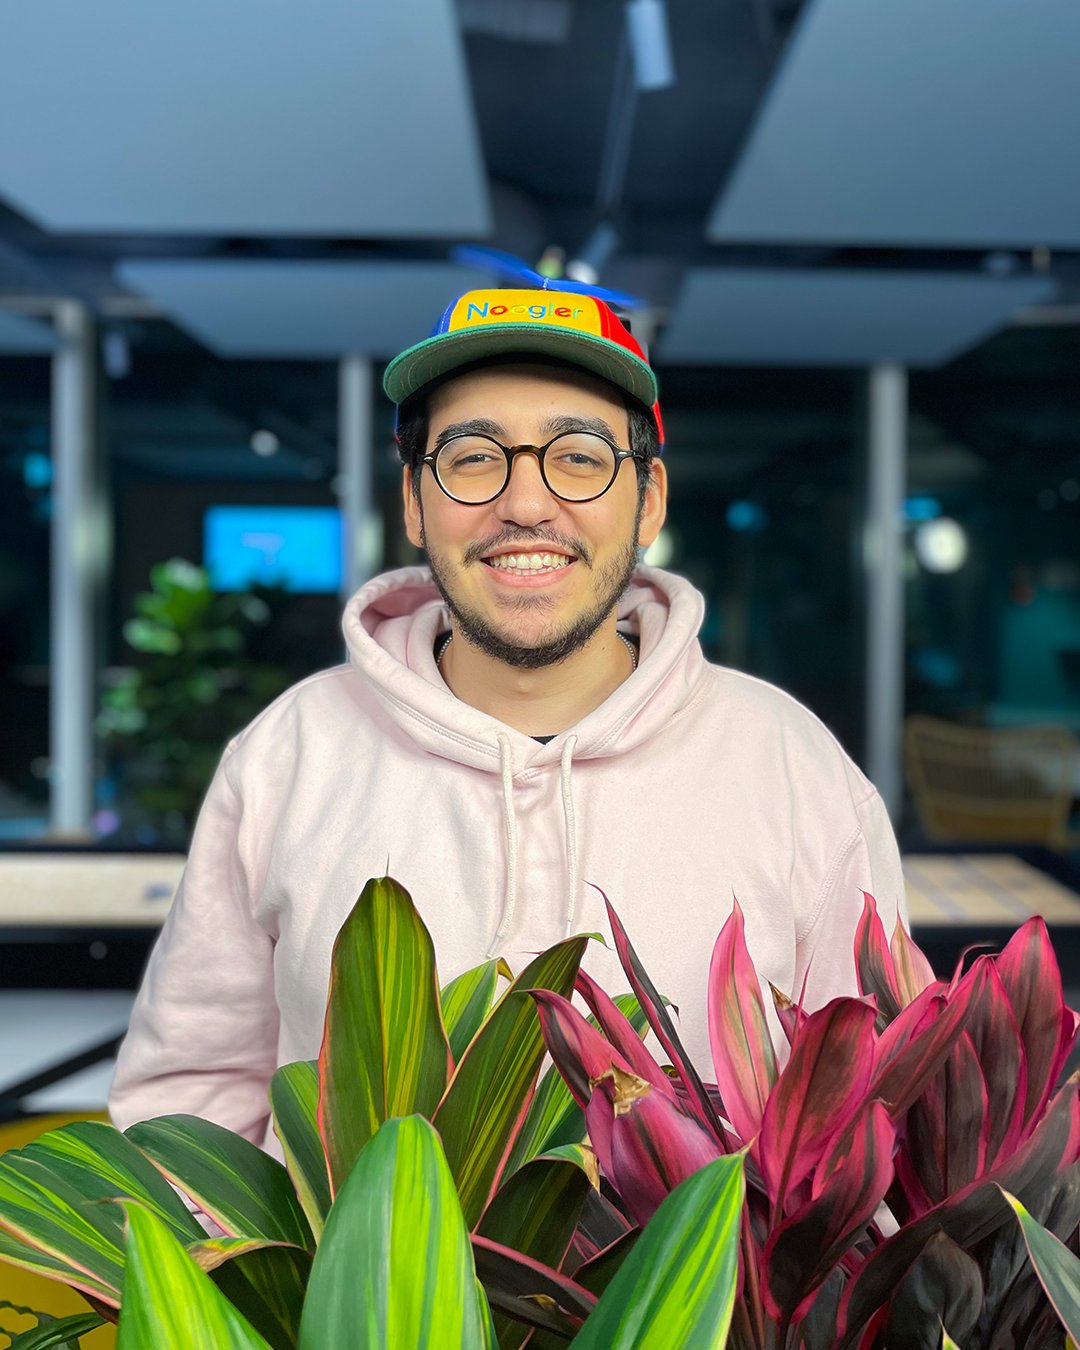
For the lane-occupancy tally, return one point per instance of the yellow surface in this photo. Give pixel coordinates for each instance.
(992, 890)
(31, 1291)
(126, 890)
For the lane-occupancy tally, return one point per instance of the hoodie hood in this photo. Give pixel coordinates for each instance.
(394, 620)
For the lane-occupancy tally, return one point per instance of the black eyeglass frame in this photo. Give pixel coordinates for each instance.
(511, 451)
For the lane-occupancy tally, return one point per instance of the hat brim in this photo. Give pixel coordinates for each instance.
(446, 352)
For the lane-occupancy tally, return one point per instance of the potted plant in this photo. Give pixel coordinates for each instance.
(420, 1156)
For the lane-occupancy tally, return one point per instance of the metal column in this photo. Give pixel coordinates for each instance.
(887, 479)
(355, 471)
(75, 550)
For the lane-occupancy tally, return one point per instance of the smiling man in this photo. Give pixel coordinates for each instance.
(526, 720)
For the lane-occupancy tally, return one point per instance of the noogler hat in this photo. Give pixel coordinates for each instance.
(579, 329)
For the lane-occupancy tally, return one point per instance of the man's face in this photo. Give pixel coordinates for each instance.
(525, 616)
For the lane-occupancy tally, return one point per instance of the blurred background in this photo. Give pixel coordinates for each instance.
(856, 233)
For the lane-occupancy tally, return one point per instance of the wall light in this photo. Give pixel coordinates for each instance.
(941, 545)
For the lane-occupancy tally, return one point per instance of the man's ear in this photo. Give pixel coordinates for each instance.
(655, 507)
(411, 506)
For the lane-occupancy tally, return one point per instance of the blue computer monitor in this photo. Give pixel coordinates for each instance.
(296, 547)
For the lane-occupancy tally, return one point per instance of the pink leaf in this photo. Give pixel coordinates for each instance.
(653, 1006)
(912, 970)
(1029, 972)
(742, 1048)
(821, 1087)
(654, 1145)
(874, 963)
(620, 1032)
(847, 1188)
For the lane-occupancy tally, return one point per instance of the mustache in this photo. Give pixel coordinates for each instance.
(518, 534)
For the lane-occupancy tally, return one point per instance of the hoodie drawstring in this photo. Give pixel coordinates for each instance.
(571, 833)
(510, 824)
(510, 898)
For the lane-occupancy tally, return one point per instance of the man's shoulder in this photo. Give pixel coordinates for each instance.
(762, 713)
(322, 697)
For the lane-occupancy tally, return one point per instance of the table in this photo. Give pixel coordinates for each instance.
(956, 899)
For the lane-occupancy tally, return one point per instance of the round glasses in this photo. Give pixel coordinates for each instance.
(576, 466)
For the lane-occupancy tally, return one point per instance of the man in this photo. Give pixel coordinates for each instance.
(531, 716)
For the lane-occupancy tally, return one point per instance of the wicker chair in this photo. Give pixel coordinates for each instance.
(1011, 786)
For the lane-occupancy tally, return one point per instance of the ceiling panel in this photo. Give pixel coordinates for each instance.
(24, 337)
(253, 117)
(832, 318)
(913, 122)
(314, 310)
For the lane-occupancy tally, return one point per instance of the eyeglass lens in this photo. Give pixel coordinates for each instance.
(577, 466)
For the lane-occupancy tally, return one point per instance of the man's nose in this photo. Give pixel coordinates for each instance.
(527, 499)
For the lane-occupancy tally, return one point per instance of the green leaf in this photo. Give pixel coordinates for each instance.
(677, 1285)
(61, 1333)
(466, 1002)
(384, 1052)
(54, 1219)
(485, 1102)
(266, 1283)
(245, 1191)
(554, 1118)
(1057, 1268)
(535, 1212)
(947, 1342)
(395, 1266)
(168, 1302)
(294, 1103)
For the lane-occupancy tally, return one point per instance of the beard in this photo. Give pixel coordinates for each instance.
(555, 643)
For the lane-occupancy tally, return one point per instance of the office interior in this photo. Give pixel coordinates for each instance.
(855, 237)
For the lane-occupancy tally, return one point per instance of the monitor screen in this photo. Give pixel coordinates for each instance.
(296, 547)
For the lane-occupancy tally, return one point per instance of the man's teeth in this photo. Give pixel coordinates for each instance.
(528, 562)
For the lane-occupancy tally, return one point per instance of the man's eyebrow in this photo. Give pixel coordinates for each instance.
(561, 422)
(473, 426)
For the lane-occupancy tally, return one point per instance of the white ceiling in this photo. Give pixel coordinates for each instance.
(916, 123)
(760, 317)
(340, 118)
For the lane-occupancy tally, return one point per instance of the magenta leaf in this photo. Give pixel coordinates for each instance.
(619, 1030)
(742, 1050)
(995, 1037)
(915, 1044)
(847, 1188)
(817, 1094)
(912, 970)
(946, 1130)
(653, 1007)
(582, 1055)
(654, 1145)
(874, 963)
(1029, 972)
(968, 1216)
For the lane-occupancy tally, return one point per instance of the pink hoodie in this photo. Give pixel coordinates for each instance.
(690, 784)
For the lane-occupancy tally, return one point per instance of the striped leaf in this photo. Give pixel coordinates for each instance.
(55, 1333)
(739, 1036)
(1057, 1268)
(24, 1256)
(245, 1191)
(384, 1050)
(294, 1102)
(265, 1282)
(168, 1302)
(536, 1212)
(395, 1268)
(677, 1285)
(51, 1211)
(467, 1000)
(485, 1103)
(554, 1118)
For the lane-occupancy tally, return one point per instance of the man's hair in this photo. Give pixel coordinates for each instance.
(412, 427)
